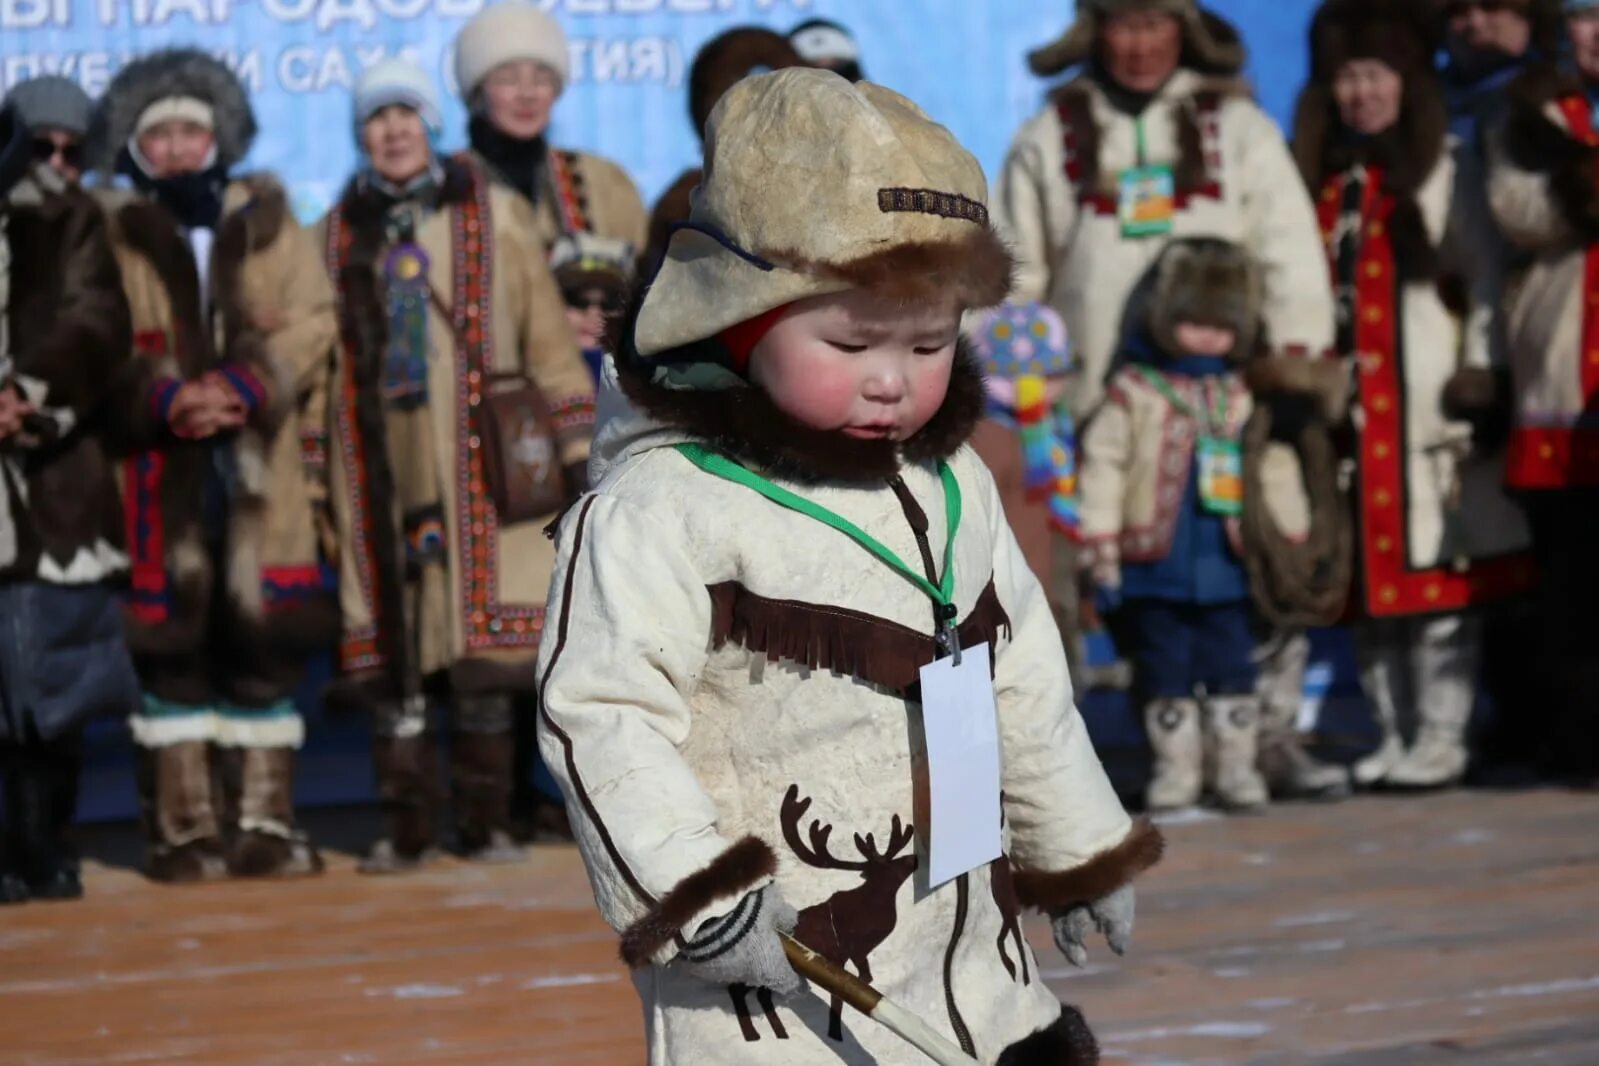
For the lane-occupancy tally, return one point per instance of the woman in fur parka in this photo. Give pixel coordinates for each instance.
(444, 297)
(1416, 276)
(64, 353)
(233, 325)
(1543, 158)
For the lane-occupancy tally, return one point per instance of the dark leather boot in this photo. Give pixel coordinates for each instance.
(480, 773)
(262, 840)
(180, 819)
(46, 806)
(407, 768)
(13, 889)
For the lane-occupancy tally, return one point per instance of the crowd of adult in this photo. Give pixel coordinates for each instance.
(229, 443)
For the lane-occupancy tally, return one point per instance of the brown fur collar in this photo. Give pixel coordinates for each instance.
(365, 206)
(1408, 154)
(1535, 143)
(1097, 878)
(1076, 98)
(150, 230)
(1067, 1042)
(746, 424)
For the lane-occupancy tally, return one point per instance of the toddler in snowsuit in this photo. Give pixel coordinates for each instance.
(789, 559)
(1162, 492)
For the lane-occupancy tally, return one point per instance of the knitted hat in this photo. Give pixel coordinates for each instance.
(814, 186)
(53, 102)
(397, 81)
(583, 260)
(1022, 340)
(1210, 44)
(504, 33)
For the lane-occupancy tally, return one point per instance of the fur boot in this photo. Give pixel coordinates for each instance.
(1443, 657)
(176, 789)
(258, 784)
(1385, 675)
(406, 770)
(480, 776)
(1174, 737)
(1232, 728)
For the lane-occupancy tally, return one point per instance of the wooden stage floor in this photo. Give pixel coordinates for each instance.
(1454, 929)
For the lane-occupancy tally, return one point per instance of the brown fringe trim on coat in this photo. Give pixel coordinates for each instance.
(841, 641)
(1067, 1042)
(1534, 142)
(1189, 172)
(730, 875)
(1097, 878)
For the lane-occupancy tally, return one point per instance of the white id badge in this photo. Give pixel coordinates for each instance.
(961, 725)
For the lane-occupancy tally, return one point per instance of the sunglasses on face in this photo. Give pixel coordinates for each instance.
(582, 301)
(45, 150)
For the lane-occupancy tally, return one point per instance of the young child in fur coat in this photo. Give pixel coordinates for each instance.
(1162, 491)
(787, 528)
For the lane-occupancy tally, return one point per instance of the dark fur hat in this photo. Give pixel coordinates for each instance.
(1545, 17)
(1402, 35)
(1211, 44)
(729, 57)
(1202, 279)
(160, 76)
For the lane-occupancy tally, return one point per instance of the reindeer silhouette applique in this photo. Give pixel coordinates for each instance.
(848, 926)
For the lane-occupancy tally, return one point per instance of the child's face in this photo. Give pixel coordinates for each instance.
(849, 363)
(1196, 338)
(586, 312)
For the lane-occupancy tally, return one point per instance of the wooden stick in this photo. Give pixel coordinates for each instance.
(869, 1001)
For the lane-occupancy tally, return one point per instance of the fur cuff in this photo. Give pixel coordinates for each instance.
(1097, 878)
(1068, 1042)
(731, 874)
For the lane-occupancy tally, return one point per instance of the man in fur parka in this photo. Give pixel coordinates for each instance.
(1154, 138)
(444, 296)
(731, 686)
(1543, 159)
(233, 327)
(1406, 233)
(64, 351)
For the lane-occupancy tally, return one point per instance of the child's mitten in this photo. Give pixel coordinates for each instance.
(742, 946)
(1112, 916)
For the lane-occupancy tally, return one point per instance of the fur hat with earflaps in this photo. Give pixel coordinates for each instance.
(1403, 36)
(815, 186)
(179, 83)
(1209, 281)
(1211, 45)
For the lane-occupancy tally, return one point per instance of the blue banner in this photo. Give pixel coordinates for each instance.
(963, 61)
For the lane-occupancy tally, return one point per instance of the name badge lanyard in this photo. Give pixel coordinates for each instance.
(1219, 457)
(942, 594)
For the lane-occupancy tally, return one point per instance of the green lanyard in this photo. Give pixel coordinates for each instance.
(942, 594)
(1158, 382)
(1138, 133)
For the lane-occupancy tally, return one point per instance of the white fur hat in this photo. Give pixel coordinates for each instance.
(397, 81)
(504, 33)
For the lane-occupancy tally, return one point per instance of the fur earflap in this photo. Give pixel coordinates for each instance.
(729, 57)
(168, 73)
(1211, 44)
(1211, 281)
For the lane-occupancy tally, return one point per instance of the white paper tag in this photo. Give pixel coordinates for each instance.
(961, 726)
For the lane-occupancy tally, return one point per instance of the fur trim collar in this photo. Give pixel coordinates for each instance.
(1535, 142)
(746, 424)
(165, 73)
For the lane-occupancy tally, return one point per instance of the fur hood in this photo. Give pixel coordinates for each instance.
(1393, 32)
(1534, 142)
(727, 59)
(1211, 44)
(158, 76)
(1206, 280)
